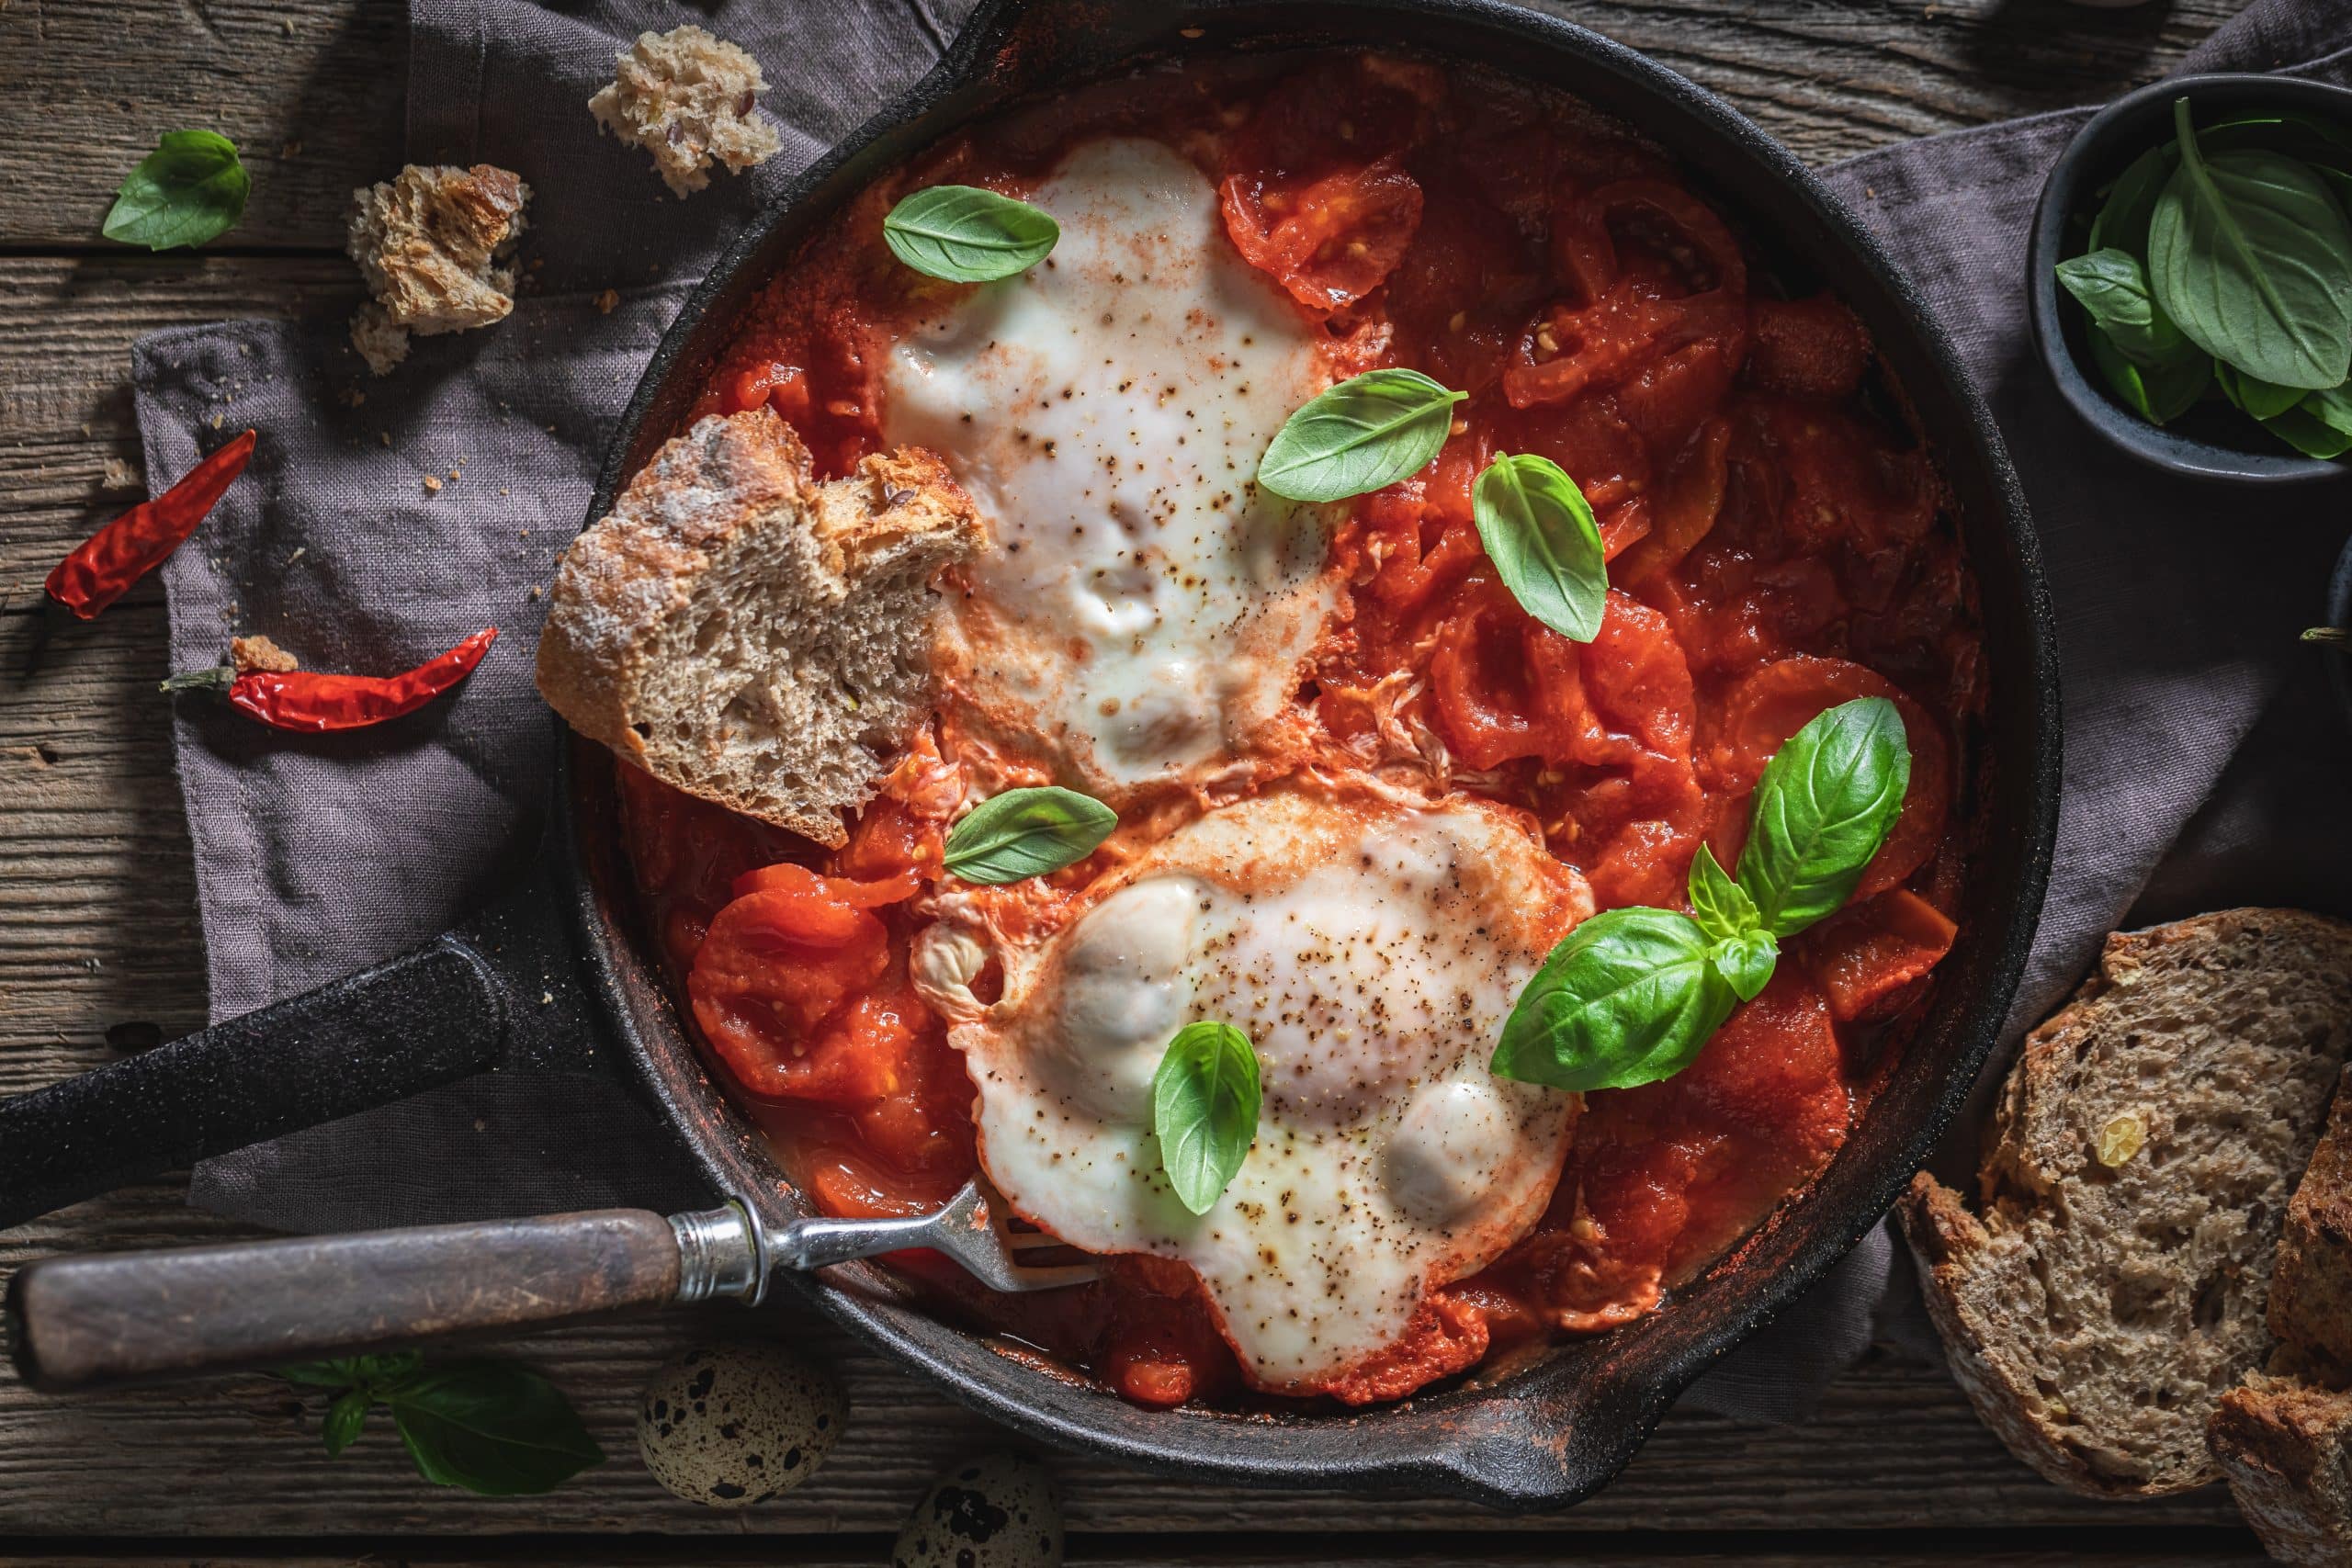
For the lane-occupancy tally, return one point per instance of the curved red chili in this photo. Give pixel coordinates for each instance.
(102, 567)
(302, 700)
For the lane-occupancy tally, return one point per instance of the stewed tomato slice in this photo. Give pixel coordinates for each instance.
(1868, 956)
(1330, 240)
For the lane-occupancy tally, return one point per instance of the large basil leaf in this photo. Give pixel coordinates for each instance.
(494, 1428)
(1363, 434)
(2157, 393)
(1027, 832)
(1539, 532)
(2262, 399)
(965, 234)
(1205, 1102)
(1628, 997)
(191, 188)
(2122, 219)
(2308, 432)
(1824, 804)
(2112, 288)
(2251, 257)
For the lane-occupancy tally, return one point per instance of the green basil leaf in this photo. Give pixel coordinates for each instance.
(1539, 534)
(2309, 433)
(2112, 288)
(2252, 258)
(1824, 804)
(494, 1428)
(1723, 906)
(356, 1371)
(191, 188)
(2122, 219)
(2332, 406)
(1027, 832)
(1746, 960)
(1204, 1110)
(1628, 997)
(344, 1417)
(1363, 434)
(965, 234)
(2157, 393)
(2257, 396)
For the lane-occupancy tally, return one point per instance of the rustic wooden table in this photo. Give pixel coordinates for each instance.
(99, 941)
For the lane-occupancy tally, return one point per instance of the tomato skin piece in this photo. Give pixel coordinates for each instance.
(788, 878)
(776, 988)
(1807, 348)
(1331, 240)
(1866, 957)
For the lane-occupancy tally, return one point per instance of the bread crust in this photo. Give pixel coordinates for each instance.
(2082, 1257)
(2284, 1445)
(624, 584)
(2311, 1289)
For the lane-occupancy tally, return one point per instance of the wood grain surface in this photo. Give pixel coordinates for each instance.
(100, 951)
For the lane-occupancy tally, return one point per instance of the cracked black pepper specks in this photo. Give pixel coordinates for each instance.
(726, 1425)
(991, 1511)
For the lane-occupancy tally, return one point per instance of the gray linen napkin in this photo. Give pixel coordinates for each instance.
(2203, 758)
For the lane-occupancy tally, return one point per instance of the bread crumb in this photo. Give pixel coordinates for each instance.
(607, 299)
(250, 653)
(119, 475)
(432, 485)
(432, 243)
(219, 420)
(689, 99)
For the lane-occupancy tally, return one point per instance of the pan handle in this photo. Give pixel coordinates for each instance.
(502, 991)
(81, 1323)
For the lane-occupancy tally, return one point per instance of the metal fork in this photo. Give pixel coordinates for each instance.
(726, 1252)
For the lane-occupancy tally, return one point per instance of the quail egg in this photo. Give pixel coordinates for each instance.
(993, 1511)
(726, 1425)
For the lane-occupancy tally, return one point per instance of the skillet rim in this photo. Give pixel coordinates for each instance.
(1525, 1437)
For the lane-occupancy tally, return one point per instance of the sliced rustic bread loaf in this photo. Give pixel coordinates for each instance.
(2311, 1289)
(2144, 1154)
(749, 635)
(2285, 1447)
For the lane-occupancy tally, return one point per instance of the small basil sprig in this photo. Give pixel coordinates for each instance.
(191, 188)
(1204, 1110)
(1538, 531)
(1027, 832)
(1631, 994)
(1364, 434)
(965, 234)
(492, 1426)
(2251, 255)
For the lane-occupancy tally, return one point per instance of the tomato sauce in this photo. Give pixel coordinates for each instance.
(1777, 547)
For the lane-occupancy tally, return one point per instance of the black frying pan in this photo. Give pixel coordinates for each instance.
(1546, 1431)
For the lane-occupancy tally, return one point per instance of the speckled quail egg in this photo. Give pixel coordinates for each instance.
(993, 1511)
(726, 1425)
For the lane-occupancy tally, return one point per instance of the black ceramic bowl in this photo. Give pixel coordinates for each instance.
(1549, 1430)
(2211, 441)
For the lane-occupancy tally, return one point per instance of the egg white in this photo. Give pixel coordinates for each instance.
(1371, 949)
(1141, 608)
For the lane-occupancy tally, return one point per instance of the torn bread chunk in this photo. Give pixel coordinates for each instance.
(2141, 1164)
(2311, 1289)
(431, 242)
(749, 635)
(2285, 1446)
(691, 99)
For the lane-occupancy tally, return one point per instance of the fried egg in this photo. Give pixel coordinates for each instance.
(1370, 948)
(1142, 609)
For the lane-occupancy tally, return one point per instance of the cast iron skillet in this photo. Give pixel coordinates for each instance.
(553, 977)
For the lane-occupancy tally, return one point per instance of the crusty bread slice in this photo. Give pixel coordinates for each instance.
(2143, 1154)
(2311, 1289)
(2284, 1445)
(751, 636)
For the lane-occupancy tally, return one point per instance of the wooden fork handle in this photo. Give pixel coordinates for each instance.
(91, 1322)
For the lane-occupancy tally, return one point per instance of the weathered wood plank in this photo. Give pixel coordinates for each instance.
(312, 92)
(1783, 1549)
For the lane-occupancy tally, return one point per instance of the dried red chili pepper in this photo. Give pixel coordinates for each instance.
(104, 566)
(286, 698)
